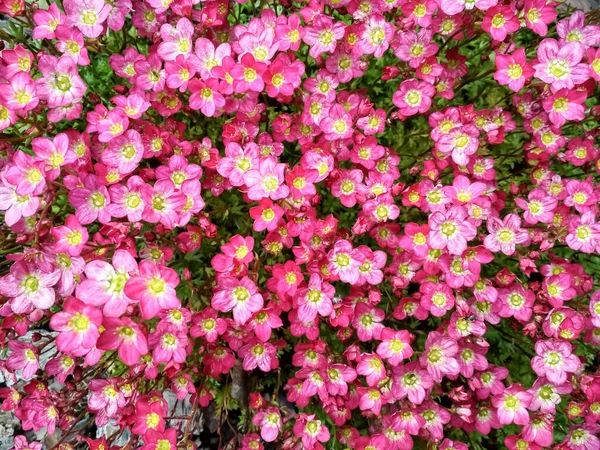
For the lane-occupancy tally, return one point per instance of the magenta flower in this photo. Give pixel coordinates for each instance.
(554, 361)
(169, 343)
(20, 93)
(451, 229)
(29, 287)
(395, 346)
(60, 84)
(78, 326)
(513, 70)
(439, 357)
(505, 234)
(105, 283)
(154, 288)
(176, 40)
(87, 15)
(126, 336)
(511, 405)
(46, 22)
(259, 354)
(269, 422)
(24, 357)
(565, 105)
(323, 34)
(437, 298)
(267, 180)
(538, 14)
(311, 430)
(413, 97)
(499, 21)
(560, 65)
(90, 201)
(206, 96)
(240, 296)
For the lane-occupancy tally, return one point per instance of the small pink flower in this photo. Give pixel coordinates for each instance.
(395, 346)
(267, 180)
(154, 288)
(439, 357)
(413, 97)
(78, 326)
(126, 336)
(505, 234)
(269, 422)
(554, 360)
(451, 229)
(513, 70)
(512, 405)
(259, 354)
(560, 65)
(499, 21)
(240, 296)
(71, 237)
(24, 356)
(565, 105)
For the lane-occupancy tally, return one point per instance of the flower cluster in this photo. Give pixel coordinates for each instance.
(366, 224)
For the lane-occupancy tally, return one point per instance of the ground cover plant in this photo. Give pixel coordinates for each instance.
(341, 224)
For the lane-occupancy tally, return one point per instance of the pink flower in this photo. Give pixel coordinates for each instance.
(105, 283)
(560, 66)
(78, 326)
(323, 34)
(266, 215)
(311, 430)
(440, 355)
(169, 343)
(46, 21)
(460, 143)
(126, 336)
(539, 208)
(29, 287)
(451, 229)
(24, 356)
(90, 201)
(565, 105)
(70, 43)
(584, 233)
(206, 96)
(512, 405)
(367, 322)
(437, 298)
(337, 123)
(240, 296)
(269, 422)
(154, 288)
(20, 443)
(395, 346)
(554, 361)
(372, 367)
(376, 35)
(538, 15)
(513, 70)
(267, 180)
(87, 15)
(413, 97)
(176, 40)
(61, 84)
(505, 234)
(259, 354)
(499, 21)
(19, 93)
(316, 298)
(71, 237)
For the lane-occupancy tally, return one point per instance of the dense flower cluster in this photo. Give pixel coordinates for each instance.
(380, 215)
